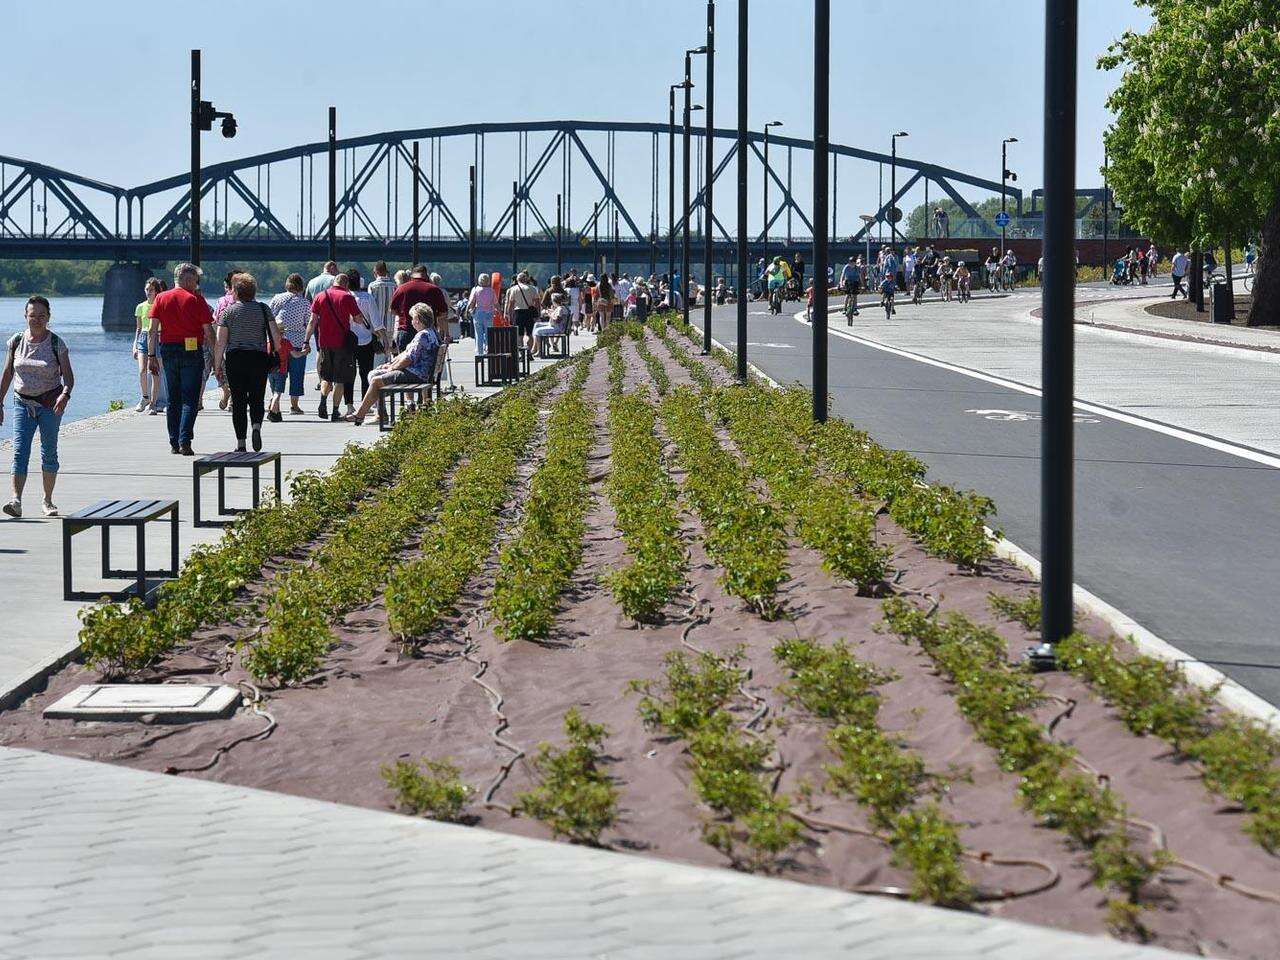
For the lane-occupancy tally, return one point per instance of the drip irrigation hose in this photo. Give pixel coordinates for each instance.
(256, 706)
(495, 703)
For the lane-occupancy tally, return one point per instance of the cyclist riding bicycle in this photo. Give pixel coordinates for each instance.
(964, 282)
(850, 281)
(778, 275)
(887, 287)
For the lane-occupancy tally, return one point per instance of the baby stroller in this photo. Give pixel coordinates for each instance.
(1120, 273)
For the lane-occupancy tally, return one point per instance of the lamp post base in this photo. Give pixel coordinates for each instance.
(1041, 658)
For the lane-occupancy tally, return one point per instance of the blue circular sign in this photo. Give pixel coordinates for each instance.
(1002, 219)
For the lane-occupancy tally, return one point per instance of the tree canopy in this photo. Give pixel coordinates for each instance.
(1195, 149)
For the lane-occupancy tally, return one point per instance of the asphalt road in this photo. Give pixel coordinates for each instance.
(1182, 538)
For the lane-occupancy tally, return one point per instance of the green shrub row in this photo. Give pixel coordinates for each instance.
(696, 369)
(657, 369)
(122, 639)
(753, 827)
(995, 698)
(742, 531)
(840, 527)
(1152, 696)
(949, 523)
(353, 564)
(875, 768)
(425, 588)
(644, 500)
(537, 564)
(574, 795)
(432, 788)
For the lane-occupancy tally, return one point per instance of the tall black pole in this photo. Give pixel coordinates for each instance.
(195, 157)
(708, 156)
(471, 231)
(559, 236)
(595, 239)
(515, 229)
(893, 190)
(1058, 339)
(1004, 174)
(333, 183)
(742, 190)
(415, 247)
(821, 122)
(765, 233)
(671, 187)
(684, 232)
(1106, 215)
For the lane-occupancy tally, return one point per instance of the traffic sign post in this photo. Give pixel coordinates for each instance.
(1002, 219)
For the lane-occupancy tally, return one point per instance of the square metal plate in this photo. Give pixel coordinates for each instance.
(128, 701)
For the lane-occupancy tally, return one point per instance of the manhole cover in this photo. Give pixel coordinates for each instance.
(126, 701)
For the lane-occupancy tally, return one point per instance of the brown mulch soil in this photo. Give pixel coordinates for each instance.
(1186, 310)
(376, 704)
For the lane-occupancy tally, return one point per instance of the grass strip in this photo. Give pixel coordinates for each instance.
(743, 532)
(644, 501)
(751, 826)
(122, 639)
(995, 697)
(354, 563)
(875, 768)
(536, 565)
(841, 528)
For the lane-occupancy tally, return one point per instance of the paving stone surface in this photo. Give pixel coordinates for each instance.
(103, 861)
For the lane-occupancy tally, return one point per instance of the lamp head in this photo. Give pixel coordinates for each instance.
(1011, 140)
(697, 50)
(902, 133)
(773, 123)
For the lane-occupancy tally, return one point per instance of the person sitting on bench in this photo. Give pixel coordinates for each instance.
(554, 321)
(415, 365)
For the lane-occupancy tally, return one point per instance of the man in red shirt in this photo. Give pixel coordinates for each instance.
(417, 289)
(332, 311)
(181, 321)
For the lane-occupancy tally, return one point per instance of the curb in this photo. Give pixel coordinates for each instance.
(33, 679)
(1229, 693)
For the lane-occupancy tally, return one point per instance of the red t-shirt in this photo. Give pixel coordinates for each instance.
(415, 291)
(181, 314)
(334, 309)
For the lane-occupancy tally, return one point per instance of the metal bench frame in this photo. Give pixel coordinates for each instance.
(407, 394)
(120, 513)
(222, 462)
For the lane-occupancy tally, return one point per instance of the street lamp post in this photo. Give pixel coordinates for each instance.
(742, 191)
(821, 150)
(708, 154)
(515, 228)
(616, 250)
(765, 252)
(671, 182)
(1005, 176)
(1105, 214)
(471, 230)
(684, 240)
(559, 235)
(1057, 361)
(595, 238)
(415, 247)
(893, 184)
(333, 185)
(202, 116)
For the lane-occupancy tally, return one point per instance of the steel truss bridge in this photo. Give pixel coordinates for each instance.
(269, 206)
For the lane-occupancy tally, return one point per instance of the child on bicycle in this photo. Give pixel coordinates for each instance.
(944, 278)
(887, 288)
(964, 281)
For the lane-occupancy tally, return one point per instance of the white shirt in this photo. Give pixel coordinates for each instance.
(367, 307)
(623, 290)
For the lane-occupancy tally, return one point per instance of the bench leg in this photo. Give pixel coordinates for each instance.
(142, 561)
(106, 551)
(222, 491)
(66, 562)
(279, 495)
(173, 540)
(195, 494)
(257, 495)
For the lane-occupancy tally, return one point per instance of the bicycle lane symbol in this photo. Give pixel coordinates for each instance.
(1024, 416)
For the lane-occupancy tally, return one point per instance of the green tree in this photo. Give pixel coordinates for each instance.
(1195, 149)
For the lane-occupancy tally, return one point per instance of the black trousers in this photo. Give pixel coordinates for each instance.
(1177, 287)
(247, 378)
(364, 363)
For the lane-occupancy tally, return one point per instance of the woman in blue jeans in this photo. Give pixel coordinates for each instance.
(39, 367)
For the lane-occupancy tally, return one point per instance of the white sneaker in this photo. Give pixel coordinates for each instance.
(156, 411)
(142, 405)
(49, 509)
(13, 508)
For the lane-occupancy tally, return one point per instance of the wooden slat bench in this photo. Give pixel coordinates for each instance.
(222, 462)
(120, 513)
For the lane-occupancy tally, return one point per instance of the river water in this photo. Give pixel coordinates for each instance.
(102, 360)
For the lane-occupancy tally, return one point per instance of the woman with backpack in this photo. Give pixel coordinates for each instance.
(38, 365)
(247, 349)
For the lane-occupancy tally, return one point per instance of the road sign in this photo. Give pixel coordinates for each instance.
(1002, 219)
(894, 215)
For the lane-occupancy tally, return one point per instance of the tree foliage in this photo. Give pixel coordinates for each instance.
(1195, 149)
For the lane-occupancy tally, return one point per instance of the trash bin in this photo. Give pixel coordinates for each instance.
(1221, 302)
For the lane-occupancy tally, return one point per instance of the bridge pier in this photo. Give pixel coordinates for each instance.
(122, 292)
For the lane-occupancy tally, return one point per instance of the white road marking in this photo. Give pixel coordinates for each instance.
(1155, 426)
(1023, 416)
(775, 346)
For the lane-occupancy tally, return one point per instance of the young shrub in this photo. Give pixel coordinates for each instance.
(574, 797)
(432, 788)
(1025, 611)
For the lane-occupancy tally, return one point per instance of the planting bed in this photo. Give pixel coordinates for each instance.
(630, 604)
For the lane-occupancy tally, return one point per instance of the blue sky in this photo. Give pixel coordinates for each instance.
(101, 89)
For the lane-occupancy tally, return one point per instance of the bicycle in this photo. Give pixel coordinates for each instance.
(775, 300)
(964, 286)
(886, 301)
(850, 306)
(919, 287)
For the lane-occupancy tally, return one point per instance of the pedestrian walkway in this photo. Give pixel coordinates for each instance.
(107, 861)
(126, 455)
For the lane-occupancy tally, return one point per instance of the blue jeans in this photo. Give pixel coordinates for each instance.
(184, 376)
(484, 320)
(296, 374)
(25, 424)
